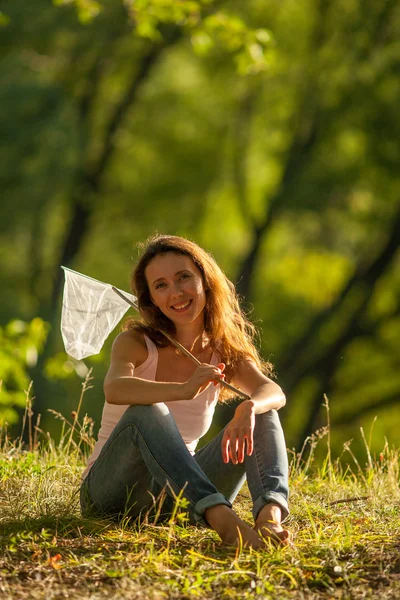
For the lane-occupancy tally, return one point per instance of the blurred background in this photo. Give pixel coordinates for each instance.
(268, 132)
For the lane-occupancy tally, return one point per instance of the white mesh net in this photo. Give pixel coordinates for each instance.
(90, 311)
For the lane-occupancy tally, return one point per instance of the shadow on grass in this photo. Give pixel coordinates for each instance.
(57, 526)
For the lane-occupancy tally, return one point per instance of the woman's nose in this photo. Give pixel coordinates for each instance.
(176, 289)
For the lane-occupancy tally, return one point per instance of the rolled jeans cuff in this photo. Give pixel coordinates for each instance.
(267, 498)
(207, 502)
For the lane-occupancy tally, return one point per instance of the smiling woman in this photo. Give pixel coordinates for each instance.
(159, 403)
(176, 286)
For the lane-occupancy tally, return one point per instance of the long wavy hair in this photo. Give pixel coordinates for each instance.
(232, 335)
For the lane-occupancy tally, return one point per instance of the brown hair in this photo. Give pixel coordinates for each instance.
(231, 333)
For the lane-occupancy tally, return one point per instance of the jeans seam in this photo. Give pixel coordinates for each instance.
(264, 491)
(258, 469)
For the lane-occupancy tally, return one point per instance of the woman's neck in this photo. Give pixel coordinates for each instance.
(193, 340)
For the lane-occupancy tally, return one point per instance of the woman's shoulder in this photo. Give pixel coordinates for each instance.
(130, 346)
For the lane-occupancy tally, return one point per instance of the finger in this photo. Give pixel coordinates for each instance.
(218, 375)
(207, 367)
(212, 371)
(250, 443)
(241, 449)
(233, 450)
(211, 374)
(217, 381)
(225, 449)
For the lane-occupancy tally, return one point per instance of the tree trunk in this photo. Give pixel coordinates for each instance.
(88, 185)
(91, 178)
(362, 282)
(324, 364)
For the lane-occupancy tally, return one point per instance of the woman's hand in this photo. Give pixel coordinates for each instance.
(201, 379)
(238, 436)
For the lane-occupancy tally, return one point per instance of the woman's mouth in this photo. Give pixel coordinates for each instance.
(182, 306)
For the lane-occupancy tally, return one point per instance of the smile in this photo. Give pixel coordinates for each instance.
(182, 306)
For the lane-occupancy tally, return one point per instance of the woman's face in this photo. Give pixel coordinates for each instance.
(176, 287)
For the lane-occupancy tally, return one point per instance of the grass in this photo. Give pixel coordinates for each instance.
(344, 517)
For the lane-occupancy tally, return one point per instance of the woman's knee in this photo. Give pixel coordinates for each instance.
(145, 414)
(268, 420)
(270, 416)
(147, 411)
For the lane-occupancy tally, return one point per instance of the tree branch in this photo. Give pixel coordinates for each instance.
(240, 153)
(326, 363)
(89, 179)
(364, 279)
(147, 63)
(298, 154)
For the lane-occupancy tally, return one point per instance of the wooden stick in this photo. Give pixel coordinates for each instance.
(184, 350)
(345, 500)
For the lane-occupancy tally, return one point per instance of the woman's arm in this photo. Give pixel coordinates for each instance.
(122, 387)
(265, 395)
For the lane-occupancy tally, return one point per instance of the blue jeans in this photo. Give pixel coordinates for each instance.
(145, 454)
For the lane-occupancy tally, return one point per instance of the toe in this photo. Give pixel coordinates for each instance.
(275, 534)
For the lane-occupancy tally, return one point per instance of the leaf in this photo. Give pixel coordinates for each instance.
(201, 42)
(87, 10)
(4, 19)
(53, 561)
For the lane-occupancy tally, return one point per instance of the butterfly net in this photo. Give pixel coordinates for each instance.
(91, 309)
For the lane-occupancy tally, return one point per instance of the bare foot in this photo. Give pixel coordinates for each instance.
(231, 529)
(274, 532)
(268, 525)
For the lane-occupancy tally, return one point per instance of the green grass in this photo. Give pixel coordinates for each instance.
(344, 518)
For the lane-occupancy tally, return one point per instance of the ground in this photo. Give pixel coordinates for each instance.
(344, 519)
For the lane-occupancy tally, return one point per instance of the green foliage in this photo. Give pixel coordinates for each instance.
(251, 48)
(61, 366)
(218, 31)
(87, 9)
(4, 19)
(20, 345)
(148, 15)
(295, 161)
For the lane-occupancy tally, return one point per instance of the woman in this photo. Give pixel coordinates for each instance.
(159, 403)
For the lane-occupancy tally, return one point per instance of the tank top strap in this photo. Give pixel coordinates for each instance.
(215, 358)
(151, 347)
(148, 369)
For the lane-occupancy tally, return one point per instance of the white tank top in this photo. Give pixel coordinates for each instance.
(193, 417)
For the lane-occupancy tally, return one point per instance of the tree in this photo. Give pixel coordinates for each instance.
(285, 170)
(117, 46)
(348, 105)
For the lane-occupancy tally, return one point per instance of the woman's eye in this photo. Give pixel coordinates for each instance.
(184, 276)
(159, 285)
